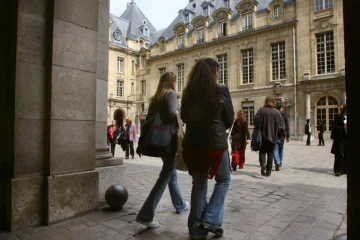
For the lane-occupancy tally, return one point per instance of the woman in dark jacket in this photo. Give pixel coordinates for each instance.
(165, 102)
(271, 124)
(207, 110)
(239, 139)
(338, 133)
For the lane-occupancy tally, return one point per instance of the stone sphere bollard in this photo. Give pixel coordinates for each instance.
(116, 196)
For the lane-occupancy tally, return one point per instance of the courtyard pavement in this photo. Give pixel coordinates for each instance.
(304, 200)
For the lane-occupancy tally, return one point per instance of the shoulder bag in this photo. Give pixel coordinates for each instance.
(156, 137)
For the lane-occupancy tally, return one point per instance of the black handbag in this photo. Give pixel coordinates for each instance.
(256, 141)
(156, 137)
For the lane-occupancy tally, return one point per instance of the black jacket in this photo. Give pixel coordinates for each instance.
(307, 128)
(321, 128)
(338, 133)
(202, 133)
(270, 122)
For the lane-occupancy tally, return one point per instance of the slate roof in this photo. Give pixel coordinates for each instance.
(168, 33)
(129, 24)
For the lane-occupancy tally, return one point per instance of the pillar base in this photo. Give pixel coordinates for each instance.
(341, 237)
(109, 176)
(71, 195)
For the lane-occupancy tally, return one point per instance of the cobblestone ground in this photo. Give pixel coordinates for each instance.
(304, 200)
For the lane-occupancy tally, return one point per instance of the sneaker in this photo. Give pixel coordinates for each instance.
(277, 167)
(263, 170)
(152, 224)
(218, 231)
(187, 207)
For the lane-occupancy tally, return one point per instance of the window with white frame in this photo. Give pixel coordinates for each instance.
(132, 87)
(278, 61)
(180, 76)
(120, 65)
(143, 86)
(181, 38)
(247, 21)
(277, 12)
(223, 69)
(187, 18)
(222, 29)
(248, 66)
(162, 71)
(120, 88)
(226, 3)
(200, 35)
(248, 108)
(206, 11)
(143, 61)
(325, 53)
(162, 45)
(323, 4)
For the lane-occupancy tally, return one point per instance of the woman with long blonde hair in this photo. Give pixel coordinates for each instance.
(166, 104)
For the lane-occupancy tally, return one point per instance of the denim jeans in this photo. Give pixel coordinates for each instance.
(211, 213)
(279, 151)
(168, 176)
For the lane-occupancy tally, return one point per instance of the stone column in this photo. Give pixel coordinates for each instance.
(102, 149)
(308, 105)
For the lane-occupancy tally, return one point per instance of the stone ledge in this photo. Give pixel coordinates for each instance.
(116, 161)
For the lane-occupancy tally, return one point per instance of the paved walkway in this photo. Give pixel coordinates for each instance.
(302, 201)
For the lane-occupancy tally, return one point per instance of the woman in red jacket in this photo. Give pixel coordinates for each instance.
(239, 139)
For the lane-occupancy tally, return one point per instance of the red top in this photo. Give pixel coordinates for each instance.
(111, 131)
(203, 160)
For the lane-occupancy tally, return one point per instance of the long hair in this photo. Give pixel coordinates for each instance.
(166, 83)
(270, 102)
(240, 118)
(201, 88)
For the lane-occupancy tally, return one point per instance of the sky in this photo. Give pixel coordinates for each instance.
(159, 12)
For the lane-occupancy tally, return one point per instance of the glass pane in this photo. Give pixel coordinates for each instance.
(321, 102)
(332, 101)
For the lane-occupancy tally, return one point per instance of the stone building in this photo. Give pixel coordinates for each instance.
(293, 50)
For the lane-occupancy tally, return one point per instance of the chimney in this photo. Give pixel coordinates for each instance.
(127, 4)
(180, 11)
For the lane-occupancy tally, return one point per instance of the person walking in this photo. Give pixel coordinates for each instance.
(271, 124)
(338, 134)
(130, 138)
(308, 132)
(207, 111)
(240, 137)
(112, 134)
(279, 146)
(321, 129)
(165, 102)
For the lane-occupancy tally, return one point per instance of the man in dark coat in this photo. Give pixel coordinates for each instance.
(308, 131)
(321, 129)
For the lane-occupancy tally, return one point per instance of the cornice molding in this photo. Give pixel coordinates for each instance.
(228, 38)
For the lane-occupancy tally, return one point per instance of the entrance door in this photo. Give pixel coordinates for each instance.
(326, 109)
(119, 116)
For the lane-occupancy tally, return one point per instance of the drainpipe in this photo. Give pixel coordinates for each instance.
(295, 74)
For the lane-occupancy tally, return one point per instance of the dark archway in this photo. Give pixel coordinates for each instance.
(119, 116)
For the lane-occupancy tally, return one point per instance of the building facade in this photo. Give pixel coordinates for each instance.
(293, 50)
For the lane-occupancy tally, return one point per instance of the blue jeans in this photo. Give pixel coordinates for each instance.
(168, 176)
(211, 213)
(279, 151)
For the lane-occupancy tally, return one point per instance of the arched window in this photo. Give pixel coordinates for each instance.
(326, 109)
(277, 12)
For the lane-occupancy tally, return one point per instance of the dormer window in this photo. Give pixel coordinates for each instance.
(222, 29)
(187, 18)
(146, 32)
(247, 21)
(226, 3)
(277, 12)
(162, 45)
(141, 44)
(181, 39)
(117, 35)
(200, 35)
(206, 11)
